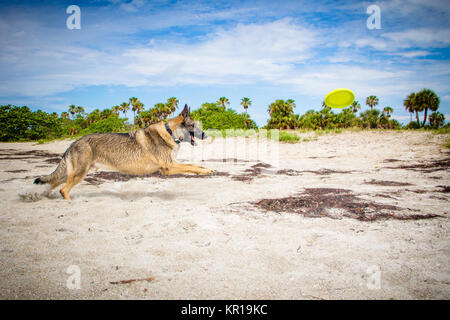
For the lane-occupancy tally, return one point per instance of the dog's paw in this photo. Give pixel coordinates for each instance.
(207, 171)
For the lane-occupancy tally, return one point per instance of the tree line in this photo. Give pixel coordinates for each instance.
(282, 114)
(21, 123)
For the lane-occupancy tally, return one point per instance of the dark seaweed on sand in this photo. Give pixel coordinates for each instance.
(316, 202)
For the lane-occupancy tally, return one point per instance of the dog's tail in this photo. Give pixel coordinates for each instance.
(57, 176)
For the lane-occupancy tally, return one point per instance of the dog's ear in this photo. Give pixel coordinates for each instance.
(185, 111)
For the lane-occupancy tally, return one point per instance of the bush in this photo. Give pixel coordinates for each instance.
(327, 119)
(412, 125)
(436, 119)
(20, 123)
(111, 124)
(369, 118)
(394, 124)
(309, 120)
(281, 115)
(215, 117)
(346, 118)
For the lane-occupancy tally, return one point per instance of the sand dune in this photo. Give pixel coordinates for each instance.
(353, 215)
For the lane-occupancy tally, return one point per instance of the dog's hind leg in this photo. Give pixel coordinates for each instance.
(75, 174)
(71, 182)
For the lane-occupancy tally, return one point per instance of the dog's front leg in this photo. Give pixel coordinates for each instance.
(177, 168)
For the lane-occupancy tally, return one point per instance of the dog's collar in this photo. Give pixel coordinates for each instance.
(170, 132)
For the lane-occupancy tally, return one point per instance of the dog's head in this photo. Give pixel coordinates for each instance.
(190, 128)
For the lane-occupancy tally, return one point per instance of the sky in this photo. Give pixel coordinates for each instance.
(199, 51)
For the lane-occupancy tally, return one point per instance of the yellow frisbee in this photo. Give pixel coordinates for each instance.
(340, 98)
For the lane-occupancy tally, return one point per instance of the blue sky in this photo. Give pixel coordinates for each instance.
(199, 51)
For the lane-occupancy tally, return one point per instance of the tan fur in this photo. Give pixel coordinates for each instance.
(146, 151)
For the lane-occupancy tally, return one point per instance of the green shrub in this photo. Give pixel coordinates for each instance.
(436, 119)
(111, 124)
(444, 130)
(412, 125)
(281, 115)
(20, 123)
(369, 118)
(215, 117)
(288, 137)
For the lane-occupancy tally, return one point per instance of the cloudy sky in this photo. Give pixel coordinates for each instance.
(199, 51)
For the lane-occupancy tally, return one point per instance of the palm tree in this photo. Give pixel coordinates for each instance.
(356, 106)
(116, 110)
(427, 99)
(133, 102)
(139, 107)
(247, 120)
(124, 107)
(65, 115)
(290, 104)
(388, 110)
(223, 102)
(173, 104)
(372, 101)
(409, 104)
(72, 110)
(246, 102)
(79, 111)
(106, 113)
(161, 111)
(281, 115)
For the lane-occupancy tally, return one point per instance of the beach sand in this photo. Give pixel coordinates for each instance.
(360, 215)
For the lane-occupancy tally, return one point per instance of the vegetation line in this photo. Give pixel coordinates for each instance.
(22, 124)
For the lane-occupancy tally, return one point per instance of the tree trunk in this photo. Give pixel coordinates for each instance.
(417, 118)
(425, 117)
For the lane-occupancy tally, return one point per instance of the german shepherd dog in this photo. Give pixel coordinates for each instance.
(142, 152)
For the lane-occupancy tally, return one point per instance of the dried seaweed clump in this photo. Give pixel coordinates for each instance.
(323, 202)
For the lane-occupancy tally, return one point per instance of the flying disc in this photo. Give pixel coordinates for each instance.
(340, 98)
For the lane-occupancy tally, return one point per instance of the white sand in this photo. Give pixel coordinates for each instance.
(201, 239)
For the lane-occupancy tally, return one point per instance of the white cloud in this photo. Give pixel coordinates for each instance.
(412, 54)
(421, 37)
(133, 5)
(240, 55)
(378, 44)
(243, 54)
(414, 7)
(399, 41)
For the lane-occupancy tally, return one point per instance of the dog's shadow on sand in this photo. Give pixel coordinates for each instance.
(130, 195)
